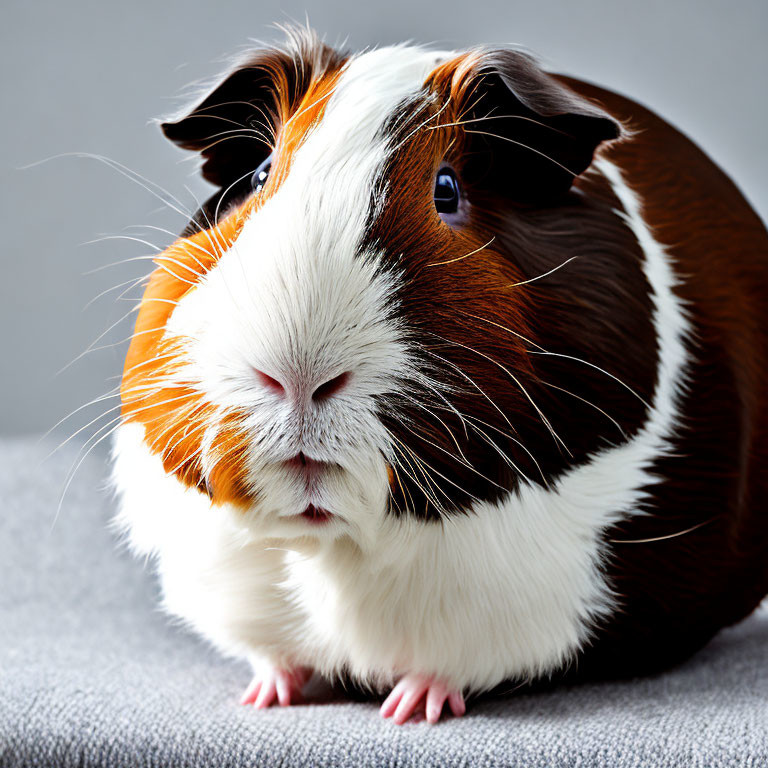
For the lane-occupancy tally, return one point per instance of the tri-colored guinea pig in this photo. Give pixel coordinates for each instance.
(457, 379)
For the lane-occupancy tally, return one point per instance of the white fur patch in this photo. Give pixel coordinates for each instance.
(511, 589)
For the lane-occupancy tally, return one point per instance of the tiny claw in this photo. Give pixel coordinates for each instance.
(457, 704)
(275, 685)
(251, 692)
(415, 695)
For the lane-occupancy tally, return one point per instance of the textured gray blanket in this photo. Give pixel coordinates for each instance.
(91, 674)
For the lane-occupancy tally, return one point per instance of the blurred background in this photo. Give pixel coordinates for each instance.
(87, 77)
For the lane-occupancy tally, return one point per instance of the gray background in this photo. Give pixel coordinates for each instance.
(87, 76)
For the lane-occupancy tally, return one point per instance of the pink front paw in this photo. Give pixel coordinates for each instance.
(271, 684)
(415, 693)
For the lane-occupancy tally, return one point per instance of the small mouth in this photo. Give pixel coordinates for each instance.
(316, 515)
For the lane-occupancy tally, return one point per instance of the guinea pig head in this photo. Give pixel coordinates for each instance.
(346, 331)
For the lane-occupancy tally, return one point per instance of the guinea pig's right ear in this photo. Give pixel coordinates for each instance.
(233, 126)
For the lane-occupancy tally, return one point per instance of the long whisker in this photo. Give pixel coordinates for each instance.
(539, 277)
(503, 455)
(186, 426)
(132, 283)
(541, 351)
(661, 538)
(223, 195)
(499, 117)
(466, 255)
(597, 368)
(174, 235)
(440, 474)
(259, 137)
(473, 383)
(212, 233)
(525, 146)
(154, 359)
(242, 127)
(80, 458)
(465, 417)
(463, 462)
(403, 488)
(538, 410)
(421, 406)
(114, 392)
(152, 299)
(90, 347)
(298, 114)
(421, 125)
(75, 434)
(411, 477)
(142, 258)
(503, 327)
(125, 340)
(587, 402)
(428, 493)
(450, 406)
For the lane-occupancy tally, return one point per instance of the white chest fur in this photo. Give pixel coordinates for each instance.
(478, 599)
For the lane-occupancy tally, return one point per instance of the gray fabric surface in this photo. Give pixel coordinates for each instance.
(91, 673)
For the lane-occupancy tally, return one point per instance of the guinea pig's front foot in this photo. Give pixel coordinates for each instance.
(279, 685)
(415, 694)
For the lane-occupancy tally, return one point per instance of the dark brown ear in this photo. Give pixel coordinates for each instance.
(530, 135)
(233, 127)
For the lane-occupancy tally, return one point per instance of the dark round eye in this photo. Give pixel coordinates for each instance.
(447, 195)
(260, 175)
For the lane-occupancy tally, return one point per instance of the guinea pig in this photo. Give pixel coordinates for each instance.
(456, 381)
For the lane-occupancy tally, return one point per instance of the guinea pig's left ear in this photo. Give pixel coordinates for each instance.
(540, 135)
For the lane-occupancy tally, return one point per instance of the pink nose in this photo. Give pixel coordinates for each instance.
(297, 388)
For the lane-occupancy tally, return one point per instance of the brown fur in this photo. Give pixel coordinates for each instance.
(677, 592)
(487, 335)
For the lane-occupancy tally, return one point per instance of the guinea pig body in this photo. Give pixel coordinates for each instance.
(456, 380)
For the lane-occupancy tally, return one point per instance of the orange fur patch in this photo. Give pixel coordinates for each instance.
(296, 127)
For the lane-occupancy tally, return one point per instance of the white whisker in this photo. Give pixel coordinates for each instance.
(539, 277)
(466, 255)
